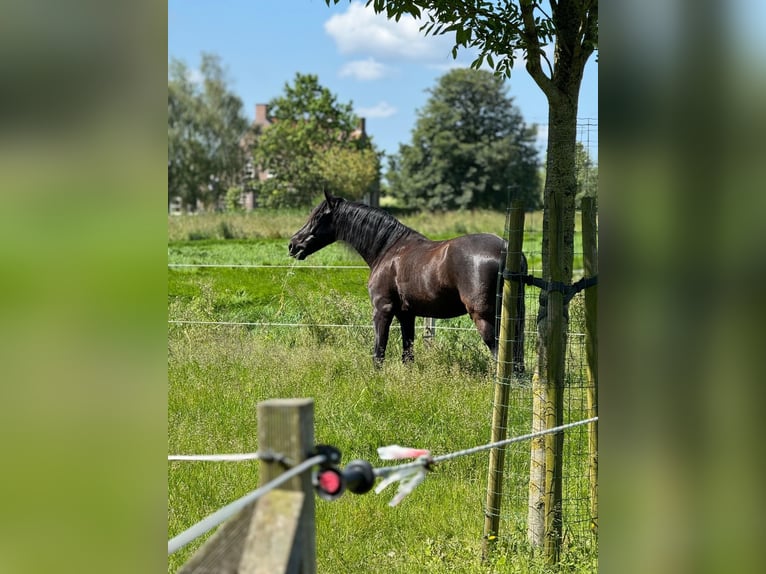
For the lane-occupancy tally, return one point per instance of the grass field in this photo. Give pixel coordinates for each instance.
(218, 374)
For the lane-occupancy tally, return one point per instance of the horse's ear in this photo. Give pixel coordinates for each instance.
(332, 201)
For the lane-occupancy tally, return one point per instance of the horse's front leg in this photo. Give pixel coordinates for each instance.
(381, 321)
(407, 323)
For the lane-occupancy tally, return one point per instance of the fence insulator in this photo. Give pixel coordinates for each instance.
(330, 483)
(359, 476)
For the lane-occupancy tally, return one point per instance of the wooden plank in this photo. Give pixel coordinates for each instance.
(429, 330)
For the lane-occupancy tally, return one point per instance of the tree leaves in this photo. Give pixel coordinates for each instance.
(470, 148)
(205, 126)
(313, 144)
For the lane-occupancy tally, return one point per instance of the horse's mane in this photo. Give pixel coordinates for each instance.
(369, 230)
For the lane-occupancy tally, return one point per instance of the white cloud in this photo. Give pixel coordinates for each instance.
(360, 30)
(380, 110)
(194, 75)
(369, 69)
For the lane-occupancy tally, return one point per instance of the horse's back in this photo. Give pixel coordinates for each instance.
(480, 244)
(444, 278)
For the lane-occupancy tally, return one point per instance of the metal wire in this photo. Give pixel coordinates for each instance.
(423, 461)
(217, 457)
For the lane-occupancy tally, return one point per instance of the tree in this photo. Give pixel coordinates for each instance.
(205, 126)
(349, 173)
(311, 139)
(499, 30)
(470, 148)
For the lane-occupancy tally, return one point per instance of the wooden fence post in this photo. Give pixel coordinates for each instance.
(277, 533)
(590, 262)
(429, 330)
(505, 369)
(285, 426)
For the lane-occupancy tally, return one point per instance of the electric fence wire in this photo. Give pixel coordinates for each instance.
(426, 461)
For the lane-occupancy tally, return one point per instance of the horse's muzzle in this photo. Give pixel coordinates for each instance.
(296, 250)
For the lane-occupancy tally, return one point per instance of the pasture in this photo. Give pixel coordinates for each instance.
(218, 373)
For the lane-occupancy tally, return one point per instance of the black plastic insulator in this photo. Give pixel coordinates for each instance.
(359, 476)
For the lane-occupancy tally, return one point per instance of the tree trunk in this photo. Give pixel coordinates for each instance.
(544, 518)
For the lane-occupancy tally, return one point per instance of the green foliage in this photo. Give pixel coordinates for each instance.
(232, 199)
(311, 138)
(205, 125)
(470, 149)
(349, 173)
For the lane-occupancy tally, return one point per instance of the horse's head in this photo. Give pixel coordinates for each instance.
(317, 232)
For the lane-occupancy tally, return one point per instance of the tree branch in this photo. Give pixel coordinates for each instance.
(534, 51)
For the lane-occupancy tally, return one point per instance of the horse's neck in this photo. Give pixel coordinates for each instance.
(372, 233)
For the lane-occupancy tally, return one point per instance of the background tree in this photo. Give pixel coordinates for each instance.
(205, 126)
(470, 148)
(312, 137)
(586, 174)
(185, 154)
(350, 173)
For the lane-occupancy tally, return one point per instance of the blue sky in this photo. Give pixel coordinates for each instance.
(384, 68)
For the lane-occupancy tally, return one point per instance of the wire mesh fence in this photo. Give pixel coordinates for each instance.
(520, 502)
(577, 519)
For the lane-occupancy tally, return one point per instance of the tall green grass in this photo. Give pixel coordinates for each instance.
(274, 224)
(218, 374)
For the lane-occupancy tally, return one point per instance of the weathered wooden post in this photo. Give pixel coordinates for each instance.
(505, 369)
(277, 533)
(590, 262)
(536, 504)
(429, 330)
(279, 540)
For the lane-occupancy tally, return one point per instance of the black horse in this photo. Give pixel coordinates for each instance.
(410, 275)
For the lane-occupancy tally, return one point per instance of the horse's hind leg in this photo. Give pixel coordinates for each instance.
(407, 323)
(486, 327)
(381, 320)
